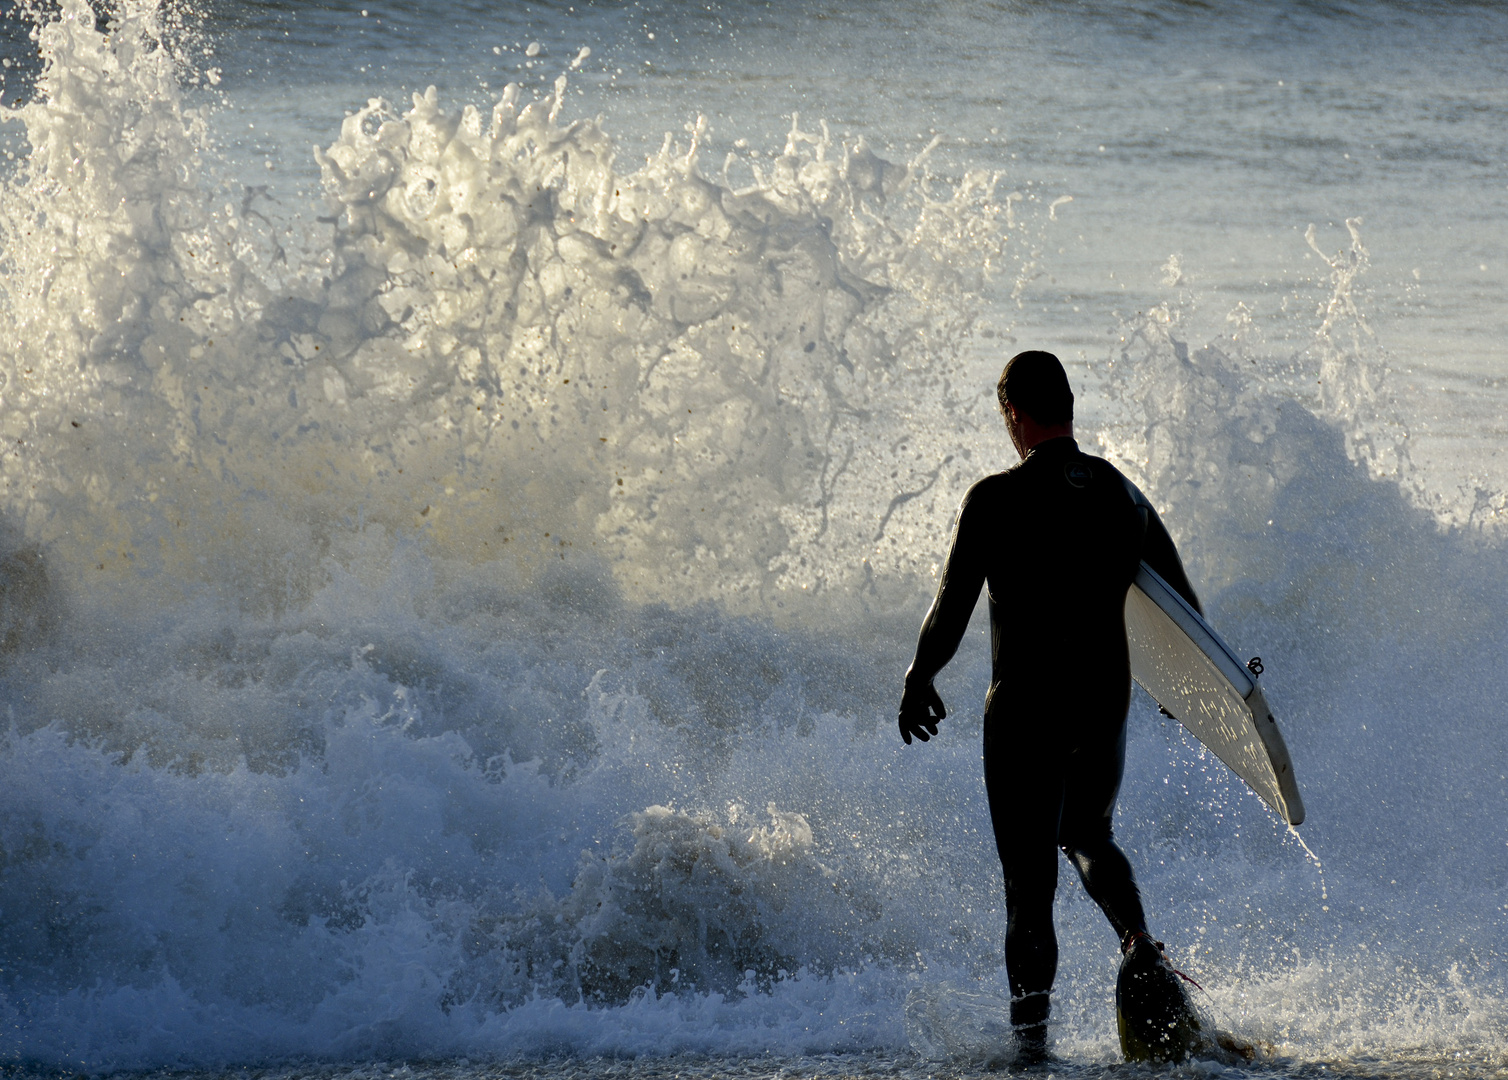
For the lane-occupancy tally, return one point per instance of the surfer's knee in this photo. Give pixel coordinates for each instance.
(1031, 883)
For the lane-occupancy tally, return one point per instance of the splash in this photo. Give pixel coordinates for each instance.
(510, 347)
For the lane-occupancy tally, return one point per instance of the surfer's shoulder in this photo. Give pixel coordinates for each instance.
(986, 494)
(1136, 494)
(990, 487)
(1115, 476)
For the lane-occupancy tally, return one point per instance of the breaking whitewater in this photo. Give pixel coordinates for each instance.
(469, 626)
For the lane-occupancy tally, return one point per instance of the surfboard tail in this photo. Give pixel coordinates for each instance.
(1267, 729)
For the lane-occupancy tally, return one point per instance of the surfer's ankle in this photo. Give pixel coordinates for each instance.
(1129, 942)
(1031, 1010)
(1031, 1044)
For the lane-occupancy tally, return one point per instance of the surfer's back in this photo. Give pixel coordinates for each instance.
(1058, 538)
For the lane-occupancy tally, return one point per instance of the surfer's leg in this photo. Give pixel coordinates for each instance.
(1091, 787)
(1026, 799)
(1031, 944)
(1110, 883)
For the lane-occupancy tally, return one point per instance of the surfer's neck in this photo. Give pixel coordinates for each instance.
(1027, 434)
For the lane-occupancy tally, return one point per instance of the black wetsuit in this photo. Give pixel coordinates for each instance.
(1058, 539)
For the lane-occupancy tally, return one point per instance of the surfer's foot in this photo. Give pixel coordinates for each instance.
(1137, 937)
(1031, 1045)
(1156, 1019)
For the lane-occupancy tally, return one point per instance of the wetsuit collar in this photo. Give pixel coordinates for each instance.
(1063, 444)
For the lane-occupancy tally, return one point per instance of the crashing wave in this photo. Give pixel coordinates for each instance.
(510, 347)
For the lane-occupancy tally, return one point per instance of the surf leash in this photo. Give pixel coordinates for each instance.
(1190, 980)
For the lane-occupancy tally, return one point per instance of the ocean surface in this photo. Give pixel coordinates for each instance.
(471, 475)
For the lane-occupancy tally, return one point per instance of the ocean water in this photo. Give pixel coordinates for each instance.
(472, 476)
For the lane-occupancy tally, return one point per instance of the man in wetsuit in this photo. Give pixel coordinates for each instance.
(1058, 539)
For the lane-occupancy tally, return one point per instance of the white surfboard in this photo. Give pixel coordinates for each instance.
(1180, 660)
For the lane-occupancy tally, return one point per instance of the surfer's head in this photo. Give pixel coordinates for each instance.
(1035, 399)
(1036, 384)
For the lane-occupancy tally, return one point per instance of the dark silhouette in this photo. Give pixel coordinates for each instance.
(1058, 539)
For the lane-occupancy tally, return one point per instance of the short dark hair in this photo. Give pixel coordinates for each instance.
(1035, 383)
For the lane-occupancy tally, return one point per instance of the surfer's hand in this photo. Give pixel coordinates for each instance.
(921, 709)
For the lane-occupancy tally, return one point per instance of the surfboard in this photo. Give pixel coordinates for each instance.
(1196, 677)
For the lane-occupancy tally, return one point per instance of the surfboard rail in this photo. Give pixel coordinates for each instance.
(1190, 671)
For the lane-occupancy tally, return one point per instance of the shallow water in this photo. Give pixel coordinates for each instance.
(457, 580)
(854, 1066)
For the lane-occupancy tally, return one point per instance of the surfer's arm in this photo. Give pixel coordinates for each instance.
(1159, 552)
(947, 619)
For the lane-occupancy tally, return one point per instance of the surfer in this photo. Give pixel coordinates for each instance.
(1057, 539)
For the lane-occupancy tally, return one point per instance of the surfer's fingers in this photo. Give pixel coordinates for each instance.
(916, 727)
(935, 702)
